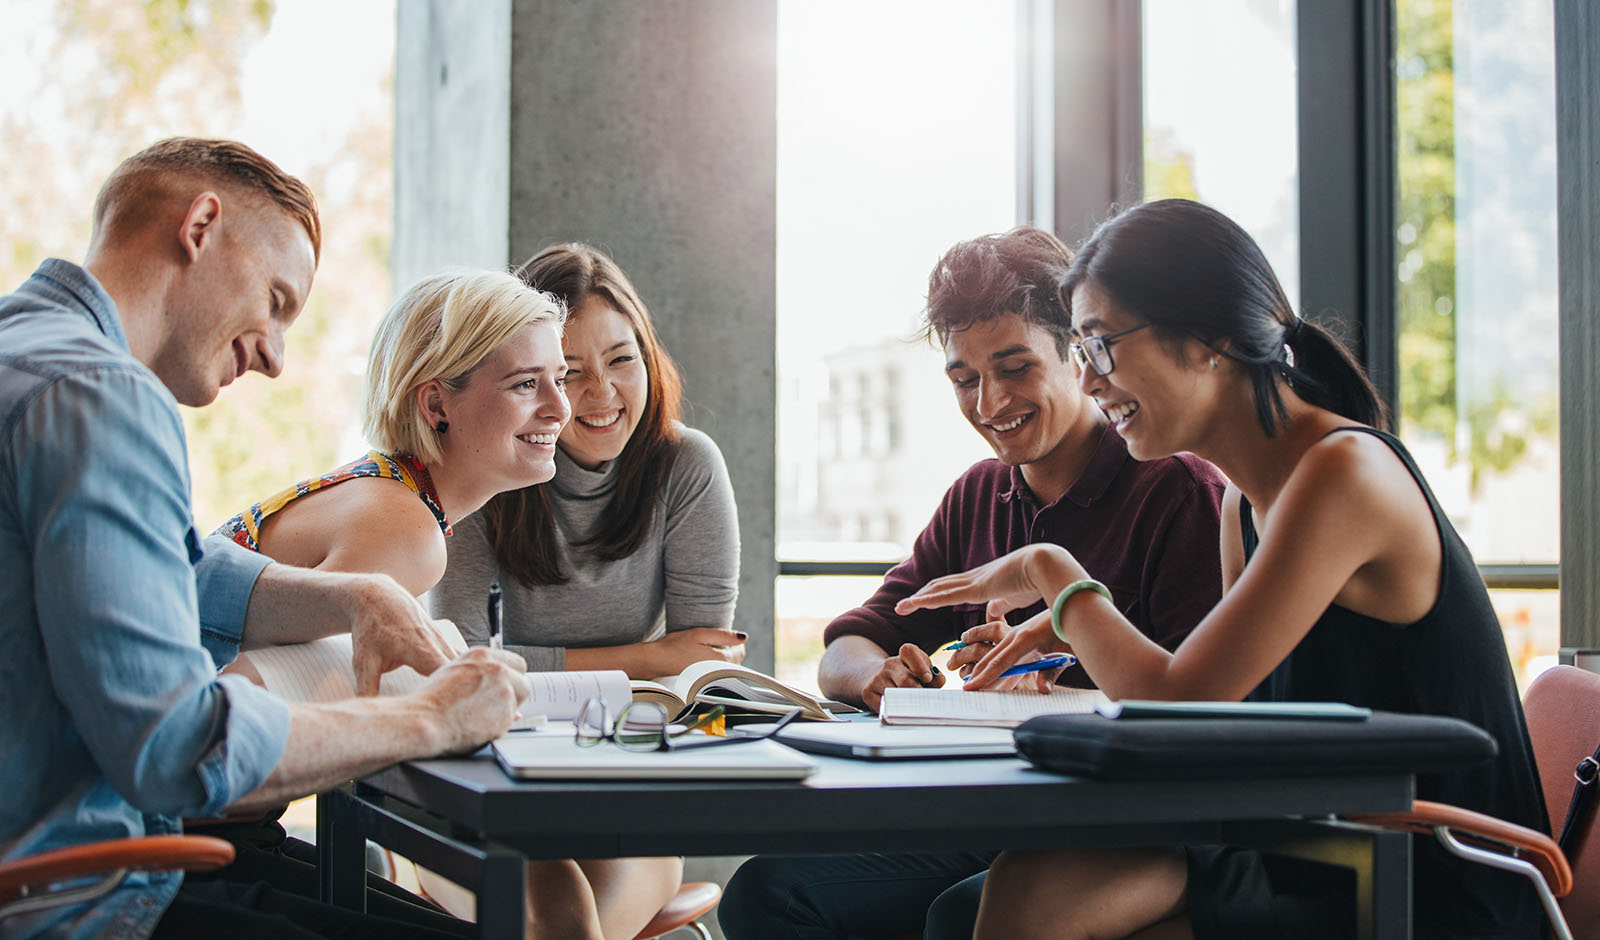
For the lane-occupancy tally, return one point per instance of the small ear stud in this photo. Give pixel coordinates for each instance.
(444, 426)
(1213, 363)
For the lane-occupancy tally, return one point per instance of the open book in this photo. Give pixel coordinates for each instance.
(955, 706)
(321, 671)
(740, 688)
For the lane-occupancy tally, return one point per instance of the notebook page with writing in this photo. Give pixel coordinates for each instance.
(951, 706)
(559, 695)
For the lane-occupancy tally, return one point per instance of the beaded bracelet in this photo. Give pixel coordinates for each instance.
(1087, 584)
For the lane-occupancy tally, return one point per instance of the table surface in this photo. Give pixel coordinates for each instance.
(853, 805)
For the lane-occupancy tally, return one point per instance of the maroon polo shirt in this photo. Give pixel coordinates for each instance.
(1148, 530)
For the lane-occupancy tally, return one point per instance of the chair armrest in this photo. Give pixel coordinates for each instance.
(1536, 847)
(190, 853)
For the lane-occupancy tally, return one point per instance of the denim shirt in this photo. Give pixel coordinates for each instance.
(113, 617)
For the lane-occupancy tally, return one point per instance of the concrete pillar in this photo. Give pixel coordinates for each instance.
(647, 128)
(452, 132)
(650, 130)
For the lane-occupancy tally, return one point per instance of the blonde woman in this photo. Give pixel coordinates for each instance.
(464, 400)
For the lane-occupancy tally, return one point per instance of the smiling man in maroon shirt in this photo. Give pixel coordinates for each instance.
(1147, 529)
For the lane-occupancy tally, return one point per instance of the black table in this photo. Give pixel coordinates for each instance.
(471, 823)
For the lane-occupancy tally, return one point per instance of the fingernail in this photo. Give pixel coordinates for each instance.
(741, 636)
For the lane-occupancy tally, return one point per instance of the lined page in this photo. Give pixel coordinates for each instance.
(951, 706)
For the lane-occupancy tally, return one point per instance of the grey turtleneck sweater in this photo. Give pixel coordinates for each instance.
(685, 574)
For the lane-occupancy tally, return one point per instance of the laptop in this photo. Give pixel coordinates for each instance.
(555, 756)
(870, 740)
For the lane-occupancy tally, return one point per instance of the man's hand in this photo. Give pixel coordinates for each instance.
(390, 629)
(471, 701)
(475, 697)
(911, 669)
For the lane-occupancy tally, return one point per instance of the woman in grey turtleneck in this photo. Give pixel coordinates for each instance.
(629, 558)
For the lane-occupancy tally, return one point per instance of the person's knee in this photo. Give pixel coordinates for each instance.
(756, 900)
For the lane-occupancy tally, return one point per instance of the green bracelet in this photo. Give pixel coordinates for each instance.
(1087, 584)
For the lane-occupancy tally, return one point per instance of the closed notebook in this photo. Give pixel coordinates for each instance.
(870, 740)
(554, 755)
(954, 706)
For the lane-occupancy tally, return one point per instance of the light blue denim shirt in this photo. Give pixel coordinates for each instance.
(113, 618)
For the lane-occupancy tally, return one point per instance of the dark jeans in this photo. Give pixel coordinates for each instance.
(854, 897)
(270, 891)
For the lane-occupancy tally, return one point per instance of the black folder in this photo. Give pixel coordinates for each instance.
(1093, 745)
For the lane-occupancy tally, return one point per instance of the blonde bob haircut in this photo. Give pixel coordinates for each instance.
(439, 330)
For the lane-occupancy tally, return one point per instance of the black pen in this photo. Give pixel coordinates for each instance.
(494, 615)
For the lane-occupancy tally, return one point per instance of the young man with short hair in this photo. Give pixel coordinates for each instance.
(1060, 474)
(113, 720)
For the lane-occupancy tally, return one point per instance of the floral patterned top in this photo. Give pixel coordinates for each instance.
(245, 528)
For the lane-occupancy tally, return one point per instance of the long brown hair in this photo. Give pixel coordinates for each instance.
(520, 524)
(1190, 270)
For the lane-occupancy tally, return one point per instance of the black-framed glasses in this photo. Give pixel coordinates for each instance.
(1095, 351)
(643, 726)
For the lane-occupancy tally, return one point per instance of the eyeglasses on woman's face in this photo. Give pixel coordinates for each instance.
(643, 726)
(1094, 352)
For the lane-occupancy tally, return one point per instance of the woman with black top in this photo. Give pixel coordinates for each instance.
(1343, 581)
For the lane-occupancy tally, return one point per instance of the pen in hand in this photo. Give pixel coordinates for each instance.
(494, 615)
(1039, 665)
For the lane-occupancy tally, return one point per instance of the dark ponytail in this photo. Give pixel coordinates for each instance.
(1189, 270)
(1325, 374)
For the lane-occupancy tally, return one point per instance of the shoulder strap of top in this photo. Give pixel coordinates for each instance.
(1247, 527)
(1405, 458)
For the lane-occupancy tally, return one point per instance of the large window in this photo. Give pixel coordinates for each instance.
(1476, 287)
(84, 84)
(896, 139)
(1220, 113)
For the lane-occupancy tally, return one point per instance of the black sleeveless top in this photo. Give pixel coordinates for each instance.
(1452, 662)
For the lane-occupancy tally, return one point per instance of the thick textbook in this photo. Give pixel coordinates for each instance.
(739, 688)
(954, 706)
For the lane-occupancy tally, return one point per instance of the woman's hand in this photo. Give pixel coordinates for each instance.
(681, 649)
(1030, 640)
(1019, 579)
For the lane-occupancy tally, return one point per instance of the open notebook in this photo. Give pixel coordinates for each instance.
(321, 671)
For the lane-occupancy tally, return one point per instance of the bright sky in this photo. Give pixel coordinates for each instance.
(309, 56)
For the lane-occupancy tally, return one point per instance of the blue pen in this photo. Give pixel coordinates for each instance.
(1039, 665)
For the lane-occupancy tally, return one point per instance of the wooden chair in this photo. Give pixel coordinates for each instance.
(29, 884)
(1563, 711)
